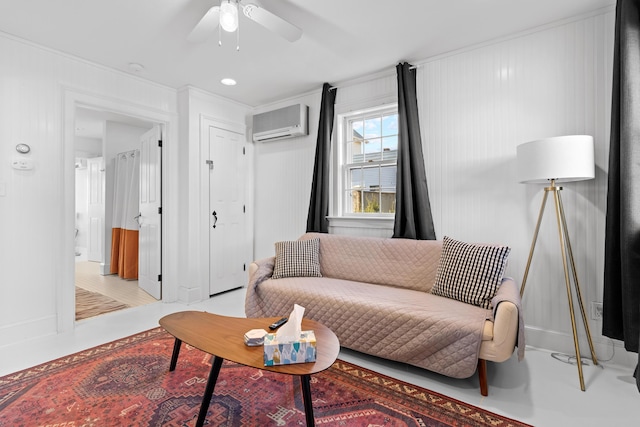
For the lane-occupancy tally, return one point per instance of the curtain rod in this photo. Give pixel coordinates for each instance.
(134, 151)
(412, 67)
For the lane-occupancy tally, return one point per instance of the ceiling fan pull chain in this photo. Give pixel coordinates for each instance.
(219, 35)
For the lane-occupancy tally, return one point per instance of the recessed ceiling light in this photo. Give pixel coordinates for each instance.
(228, 82)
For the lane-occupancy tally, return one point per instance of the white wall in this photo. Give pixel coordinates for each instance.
(33, 84)
(283, 171)
(476, 105)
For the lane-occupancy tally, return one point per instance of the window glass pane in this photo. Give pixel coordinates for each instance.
(372, 150)
(355, 130)
(390, 148)
(371, 178)
(388, 176)
(371, 202)
(373, 127)
(354, 140)
(356, 178)
(354, 201)
(387, 200)
(390, 125)
(355, 152)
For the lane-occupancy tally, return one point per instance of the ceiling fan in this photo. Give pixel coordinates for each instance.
(226, 17)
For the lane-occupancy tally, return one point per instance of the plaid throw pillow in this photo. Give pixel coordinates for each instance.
(299, 258)
(470, 273)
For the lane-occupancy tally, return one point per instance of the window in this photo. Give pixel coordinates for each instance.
(369, 142)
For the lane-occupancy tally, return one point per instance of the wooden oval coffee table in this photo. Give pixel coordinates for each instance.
(223, 337)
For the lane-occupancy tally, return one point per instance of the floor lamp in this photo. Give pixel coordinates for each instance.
(555, 160)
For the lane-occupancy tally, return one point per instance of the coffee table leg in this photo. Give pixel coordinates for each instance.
(174, 356)
(208, 391)
(306, 397)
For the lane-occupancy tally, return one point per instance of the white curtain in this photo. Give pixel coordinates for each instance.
(126, 208)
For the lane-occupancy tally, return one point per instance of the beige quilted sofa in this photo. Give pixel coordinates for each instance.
(374, 294)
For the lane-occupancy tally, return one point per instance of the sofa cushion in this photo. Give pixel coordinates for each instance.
(300, 258)
(409, 326)
(404, 263)
(470, 273)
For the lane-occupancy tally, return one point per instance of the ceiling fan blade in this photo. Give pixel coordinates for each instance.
(205, 28)
(272, 22)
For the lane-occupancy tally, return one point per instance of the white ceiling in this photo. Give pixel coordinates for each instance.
(343, 39)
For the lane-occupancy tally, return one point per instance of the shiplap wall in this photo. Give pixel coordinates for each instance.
(33, 83)
(283, 173)
(39, 90)
(476, 105)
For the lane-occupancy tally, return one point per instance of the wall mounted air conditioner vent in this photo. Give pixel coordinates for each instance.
(287, 122)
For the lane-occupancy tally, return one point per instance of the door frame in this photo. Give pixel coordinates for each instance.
(73, 98)
(203, 211)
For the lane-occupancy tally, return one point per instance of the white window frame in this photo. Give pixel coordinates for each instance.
(341, 168)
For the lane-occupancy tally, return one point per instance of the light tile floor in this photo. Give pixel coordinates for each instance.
(539, 390)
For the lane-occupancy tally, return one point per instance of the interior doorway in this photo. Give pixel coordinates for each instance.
(99, 138)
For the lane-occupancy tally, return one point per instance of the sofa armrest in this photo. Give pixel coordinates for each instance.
(264, 265)
(505, 324)
(507, 321)
(259, 271)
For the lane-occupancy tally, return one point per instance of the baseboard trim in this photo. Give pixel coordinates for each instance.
(189, 295)
(105, 269)
(24, 331)
(607, 350)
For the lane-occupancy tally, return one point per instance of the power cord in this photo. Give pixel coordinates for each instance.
(573, 360)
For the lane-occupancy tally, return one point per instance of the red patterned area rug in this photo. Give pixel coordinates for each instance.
(128, 383)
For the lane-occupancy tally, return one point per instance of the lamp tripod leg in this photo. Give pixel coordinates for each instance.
(577, 284)
(533, 243)
(562, 234)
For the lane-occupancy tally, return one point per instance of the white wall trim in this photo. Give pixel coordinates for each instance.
(239, 128)
(360, 226)
(38, 327)
(203, 209)
(82, 60)
(72, 98)
(607, 350)
(391, 71)
(208, 96)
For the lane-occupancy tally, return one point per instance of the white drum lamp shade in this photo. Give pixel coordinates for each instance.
(561, 158)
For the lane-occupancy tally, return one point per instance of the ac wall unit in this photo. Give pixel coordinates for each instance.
(287, 122)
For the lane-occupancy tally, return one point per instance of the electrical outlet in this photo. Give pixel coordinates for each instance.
(596, 310)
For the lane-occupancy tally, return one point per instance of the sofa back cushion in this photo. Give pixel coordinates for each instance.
(404, 263)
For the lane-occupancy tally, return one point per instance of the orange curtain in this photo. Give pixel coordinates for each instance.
(124, 253)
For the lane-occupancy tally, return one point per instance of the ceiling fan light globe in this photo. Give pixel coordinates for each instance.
(229, 15)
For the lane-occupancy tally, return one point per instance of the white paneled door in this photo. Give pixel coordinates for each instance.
(227, 246)
(150, 249)
(95, 244)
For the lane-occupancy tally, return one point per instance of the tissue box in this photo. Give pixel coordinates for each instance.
(301, 351)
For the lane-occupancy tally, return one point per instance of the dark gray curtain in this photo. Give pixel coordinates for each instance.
(319, 203)
(413, 211)
(621, 318)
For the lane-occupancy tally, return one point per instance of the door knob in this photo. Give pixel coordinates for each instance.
(215, 218)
